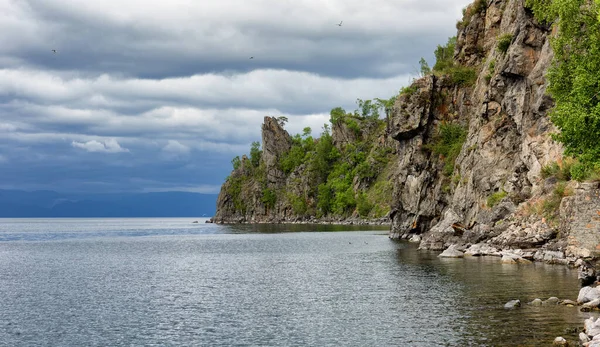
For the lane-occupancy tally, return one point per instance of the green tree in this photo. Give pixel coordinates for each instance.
(444, 55)
(367, 109)
(236, 162)
(255, 154)
(425, 69)
(306, 132)
(336, 115)
(282, 120)
(573, 76)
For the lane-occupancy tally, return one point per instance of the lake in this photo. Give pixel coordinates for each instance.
(169, 282)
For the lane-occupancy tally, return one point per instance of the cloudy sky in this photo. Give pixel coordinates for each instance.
(161, 95)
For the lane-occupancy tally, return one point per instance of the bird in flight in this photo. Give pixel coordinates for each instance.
(251, 57)
(340, 23)
(54, 50)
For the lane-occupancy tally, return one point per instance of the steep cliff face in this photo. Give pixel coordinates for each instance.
(508, 139)
(342, 175)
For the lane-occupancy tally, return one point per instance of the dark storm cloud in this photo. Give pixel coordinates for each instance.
(161, 95)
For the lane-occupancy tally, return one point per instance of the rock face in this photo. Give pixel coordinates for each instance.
(267, 193)
(508, 139)
(275, 143)
(581, 220)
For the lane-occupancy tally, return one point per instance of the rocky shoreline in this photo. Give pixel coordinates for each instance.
(311, 220)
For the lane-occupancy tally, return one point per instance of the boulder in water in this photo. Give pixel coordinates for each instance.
(451, 252)
(513, 304)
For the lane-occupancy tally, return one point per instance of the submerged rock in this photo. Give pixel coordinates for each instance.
(560, 341)
(513, 304)
(451, 252)
(536, 302)
(568, 302)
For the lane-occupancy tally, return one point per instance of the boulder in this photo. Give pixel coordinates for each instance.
(552, 301)
(592, 327)
(568, 302)
(451, 252)
(587, 294)
(507, 259)
(583, 338)
(480, 249)
(560, 341)
(536, 302)
(513, 304)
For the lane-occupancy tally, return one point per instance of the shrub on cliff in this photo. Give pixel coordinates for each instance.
(574, 78)
(504, 42)
(448, 143)
(444, 55)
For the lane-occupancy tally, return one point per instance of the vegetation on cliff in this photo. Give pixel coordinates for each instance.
(574, 79)
(323, 177)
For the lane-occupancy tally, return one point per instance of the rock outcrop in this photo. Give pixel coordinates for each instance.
(507, 144)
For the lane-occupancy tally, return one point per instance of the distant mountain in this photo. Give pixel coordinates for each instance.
(43, 203)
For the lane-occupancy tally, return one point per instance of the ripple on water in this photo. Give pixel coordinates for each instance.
(170, 282)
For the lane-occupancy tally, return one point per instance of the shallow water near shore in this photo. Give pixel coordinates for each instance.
(168, 282)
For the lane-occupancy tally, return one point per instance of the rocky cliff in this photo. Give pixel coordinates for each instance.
(508, 138)
(494, 185)
(343, 175)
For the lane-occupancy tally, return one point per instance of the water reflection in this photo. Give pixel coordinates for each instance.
(486, 284)
(170, 282)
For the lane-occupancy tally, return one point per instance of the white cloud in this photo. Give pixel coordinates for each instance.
(176, 147)
(172, 80)
(107, 146)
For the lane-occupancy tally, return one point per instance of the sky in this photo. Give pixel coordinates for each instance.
(148, 96)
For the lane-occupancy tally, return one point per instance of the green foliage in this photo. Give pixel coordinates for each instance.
(324, 199)
(234, 189)
(424, 67)
(236, 162)
(409, 90)
(255, 154)
(282, 120)
(340, 180)
(367, 109)
(491, 70)
(363, 205)
(269, 198)
(543, 10)
(298, 204)
(336, 115)
(504, 42)
(462, 76)
(292, 159)
(448, 144)
(580, 171)
(574, 78)
(495, 198)
(561, 171)
(444, 55)
(306, 131)
(479, 6)
(550, 205)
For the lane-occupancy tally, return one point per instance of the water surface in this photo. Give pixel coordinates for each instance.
(168, 282)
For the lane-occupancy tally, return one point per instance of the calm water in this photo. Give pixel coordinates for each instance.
(168, 282)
